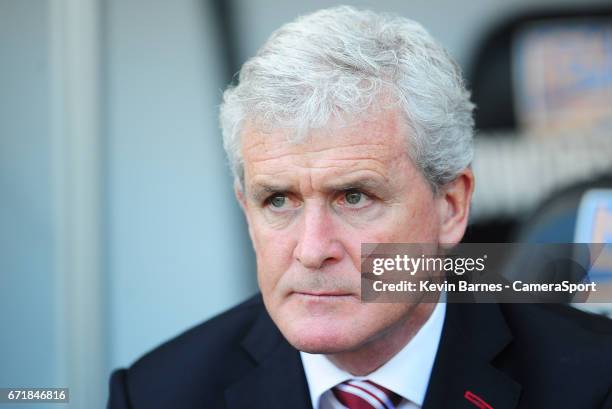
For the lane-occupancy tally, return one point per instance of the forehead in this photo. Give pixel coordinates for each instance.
(381, 137)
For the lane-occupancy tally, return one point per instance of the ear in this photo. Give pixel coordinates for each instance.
(239, 193)
(454, 201)
(240, 197)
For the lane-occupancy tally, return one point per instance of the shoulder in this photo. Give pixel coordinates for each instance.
(561, 336)
(559, 348)
(561, 332)
(196, 364)
(223, 332)
(567, 325)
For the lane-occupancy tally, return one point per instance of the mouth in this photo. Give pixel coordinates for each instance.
(322, 295)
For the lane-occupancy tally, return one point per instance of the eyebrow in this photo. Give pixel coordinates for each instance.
(260, 191)
(360, 183)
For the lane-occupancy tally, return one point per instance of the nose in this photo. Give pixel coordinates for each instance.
(318, 244)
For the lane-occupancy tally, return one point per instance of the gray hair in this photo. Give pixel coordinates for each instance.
(341, 60)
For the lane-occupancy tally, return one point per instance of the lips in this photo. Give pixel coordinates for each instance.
(324, 293)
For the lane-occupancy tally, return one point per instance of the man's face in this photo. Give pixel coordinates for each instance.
(309, 207)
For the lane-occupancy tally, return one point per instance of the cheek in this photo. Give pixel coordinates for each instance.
(275, 246)
(274, 253)
(415, 222)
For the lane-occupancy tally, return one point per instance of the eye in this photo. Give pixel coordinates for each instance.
(352, 197)
(355, 199)
(277, 200)
(281, 202)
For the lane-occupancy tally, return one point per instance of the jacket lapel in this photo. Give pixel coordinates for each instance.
(463, 376)
(278, 381)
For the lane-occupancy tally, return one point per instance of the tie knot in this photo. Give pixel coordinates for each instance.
(355, 394)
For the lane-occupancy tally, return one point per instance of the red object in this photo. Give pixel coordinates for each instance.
(476, 400)
(365, 395)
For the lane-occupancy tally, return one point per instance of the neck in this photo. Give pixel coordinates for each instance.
(378, 351)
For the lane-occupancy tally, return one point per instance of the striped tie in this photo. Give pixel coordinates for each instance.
(356, 394)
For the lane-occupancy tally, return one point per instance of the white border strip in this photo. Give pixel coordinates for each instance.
(75, 115)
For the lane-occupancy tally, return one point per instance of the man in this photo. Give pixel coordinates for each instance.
(352, 127)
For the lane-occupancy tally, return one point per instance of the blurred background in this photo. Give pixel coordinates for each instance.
(118, 228)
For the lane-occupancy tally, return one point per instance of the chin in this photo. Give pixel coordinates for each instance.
(321, 326)
(320, 345)
(320, 339)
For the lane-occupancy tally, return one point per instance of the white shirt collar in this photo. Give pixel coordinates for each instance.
(406, 374)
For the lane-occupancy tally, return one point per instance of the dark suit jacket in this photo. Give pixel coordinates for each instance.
(511, 356)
